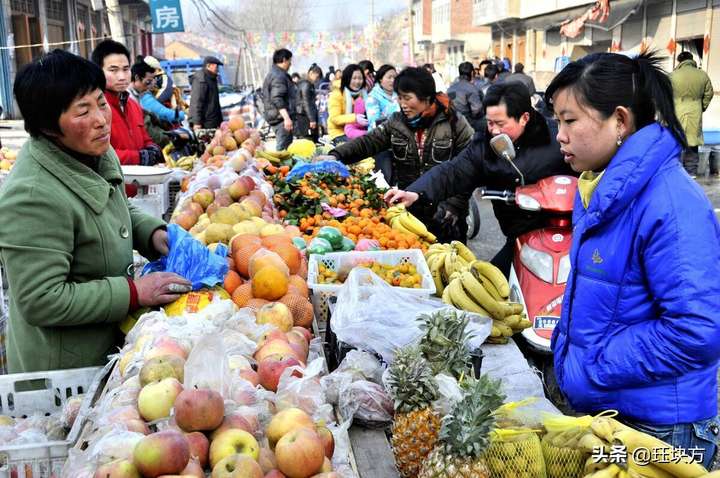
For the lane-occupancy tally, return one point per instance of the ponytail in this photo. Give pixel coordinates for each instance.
(655, 84)
(604, 81)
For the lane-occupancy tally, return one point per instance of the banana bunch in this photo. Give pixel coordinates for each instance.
(475, 286)
(400, 219)
(185, 162)
(275, 157)
(366, 166)
(605, 432)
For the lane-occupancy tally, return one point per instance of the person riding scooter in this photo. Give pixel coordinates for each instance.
(508, 110)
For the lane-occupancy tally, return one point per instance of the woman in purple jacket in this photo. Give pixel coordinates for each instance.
(640, 327)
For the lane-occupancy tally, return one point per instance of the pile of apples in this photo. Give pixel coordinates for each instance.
(233, 143)
(202, 434)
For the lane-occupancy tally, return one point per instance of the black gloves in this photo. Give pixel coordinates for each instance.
(151, 155)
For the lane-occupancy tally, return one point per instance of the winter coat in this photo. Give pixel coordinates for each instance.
(151, 104)
(537, 156)
(524, 79)
(127, 134)
(692, 91)
(380, 106)
(338, 117)
(205, 100)
(466, 98)
(66, 245)
(307, 111)
(354, 130)
(640, 328)
(279, 92)
(440, 144)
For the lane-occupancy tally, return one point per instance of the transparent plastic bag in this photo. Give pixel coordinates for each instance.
(78, 465)
(70, 410)
(189, 258)
(366, 402)
(207, 366)
(362, 366)
(304, 392)
(118, 443)
(449, 393)
(372, 315)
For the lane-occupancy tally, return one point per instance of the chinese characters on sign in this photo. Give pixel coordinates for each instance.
(166, 16)
(617, 454)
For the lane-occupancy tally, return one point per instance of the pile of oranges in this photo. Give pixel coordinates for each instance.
(368, 225)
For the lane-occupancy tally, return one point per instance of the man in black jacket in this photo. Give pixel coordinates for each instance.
(507, 110)
(279, 98)
(205, 110)
(306, 119)
(466, 97)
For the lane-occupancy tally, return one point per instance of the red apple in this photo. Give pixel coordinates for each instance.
(271, 334)
(251, 376)
(199, 447)
(327, 439)
(275, 346)
(270, 369)
(286, 421)
(305, 332)
(300, 453)
(233, 422)
(162, 453)
(166, 346)
(117, 469)
(297, 338)
(301, 351)
(237, 466)
(138, 426)
(199, 410)
(267, 460)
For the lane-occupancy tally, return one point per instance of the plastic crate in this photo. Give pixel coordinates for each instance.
(322, 293)
(45, 460)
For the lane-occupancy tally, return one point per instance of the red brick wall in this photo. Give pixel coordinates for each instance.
(427, 17)
(461, 17)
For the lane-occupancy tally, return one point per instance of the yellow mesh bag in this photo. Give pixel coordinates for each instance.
(515, 453)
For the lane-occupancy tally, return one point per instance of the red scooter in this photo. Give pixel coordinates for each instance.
(541, 261)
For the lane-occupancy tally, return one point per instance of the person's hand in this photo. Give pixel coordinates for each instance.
(313, 125)
(159, 241)
(395, 196)
(197, 127)
(288, 124)
(324, 157)
(159, 288)
(361, 120)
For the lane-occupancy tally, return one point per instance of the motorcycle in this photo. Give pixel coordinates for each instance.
(541, 261)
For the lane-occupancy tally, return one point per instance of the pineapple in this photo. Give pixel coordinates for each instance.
(416, 426)
(444, 344)
(465, 433)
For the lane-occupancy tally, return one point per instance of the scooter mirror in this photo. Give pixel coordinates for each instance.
(503, 146)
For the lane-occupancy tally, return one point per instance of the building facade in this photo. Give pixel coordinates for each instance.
(31, 27)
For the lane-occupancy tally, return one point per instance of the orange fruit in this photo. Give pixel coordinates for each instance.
(242, 294)
(256, 304)
(301, 308)
(265, 258)
(289, 254)
(270, 283)
(274, 239)
(300, 284)
(232, 281)
(242, 258)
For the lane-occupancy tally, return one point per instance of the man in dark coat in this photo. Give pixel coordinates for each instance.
(205, 112)
(279, 98)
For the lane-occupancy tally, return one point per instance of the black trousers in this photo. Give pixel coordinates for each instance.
(504, 257)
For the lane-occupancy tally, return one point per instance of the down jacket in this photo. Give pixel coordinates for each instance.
(640, 324)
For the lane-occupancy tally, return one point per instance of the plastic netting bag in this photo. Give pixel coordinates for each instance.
(568, 444)
(372, 315)
(190, 259)
(515, 453)
(321, 167)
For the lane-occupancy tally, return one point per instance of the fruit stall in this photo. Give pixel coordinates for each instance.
(327, 335)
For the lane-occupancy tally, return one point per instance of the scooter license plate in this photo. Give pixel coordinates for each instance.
(547, 322)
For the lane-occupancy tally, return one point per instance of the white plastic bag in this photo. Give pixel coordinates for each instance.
(207, 366)
(372, 315)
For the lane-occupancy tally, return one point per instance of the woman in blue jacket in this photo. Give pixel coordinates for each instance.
(640, 326)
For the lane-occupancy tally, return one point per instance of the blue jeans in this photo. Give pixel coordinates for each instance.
(703, 434)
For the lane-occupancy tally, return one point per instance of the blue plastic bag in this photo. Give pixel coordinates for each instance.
(189, 258)
(301, 169)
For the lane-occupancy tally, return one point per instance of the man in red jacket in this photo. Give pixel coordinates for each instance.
(128, 135)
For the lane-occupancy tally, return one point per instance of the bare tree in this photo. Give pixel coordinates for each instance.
(390, 38)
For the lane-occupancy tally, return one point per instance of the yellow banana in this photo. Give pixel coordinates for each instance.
(482, 297)
(609, 472)
(413, 224)
(649, 470)
(268, 156)
(487, 285)
(512, 320)
(463, 251)
(589, 442)
(523, 324)
(494, 275)
(680, 466)
(446, 296)
(496, 332)
(437, 279)
(504, 329)
(461, 299)
(449, 264)
(397, 225)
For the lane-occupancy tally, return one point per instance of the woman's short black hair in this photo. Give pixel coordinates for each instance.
(45, 88)
(108, 47)
(416, 80)
(382, 71)
(314, 68)
(281, 55)
(604, 81)
(140, 69)
(347, 74)
(367, 65)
